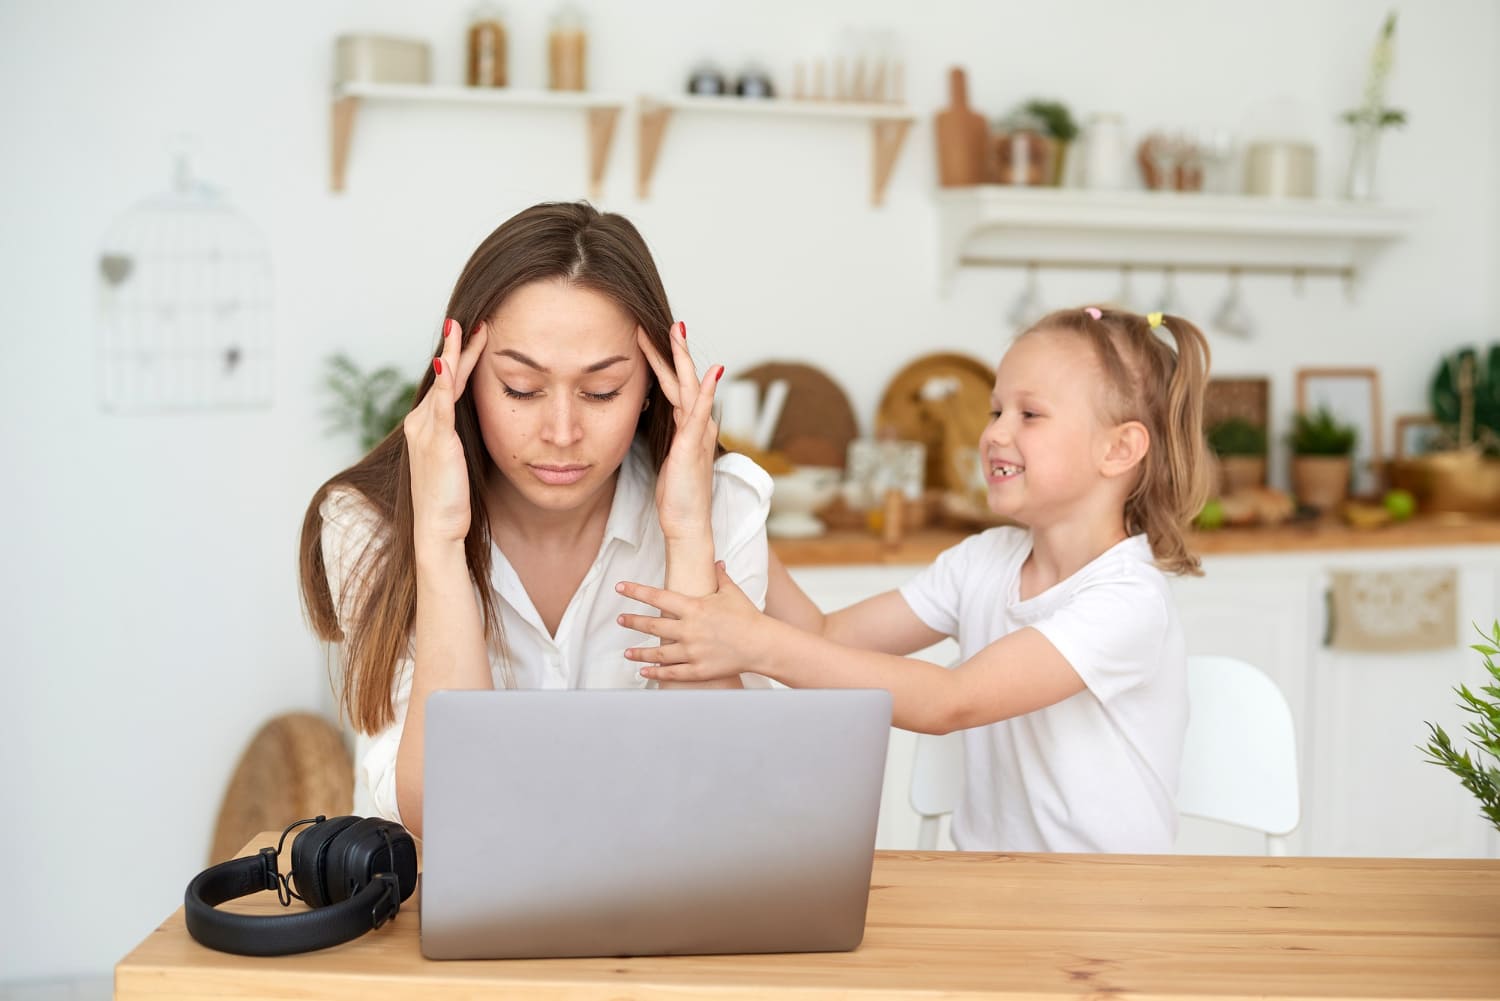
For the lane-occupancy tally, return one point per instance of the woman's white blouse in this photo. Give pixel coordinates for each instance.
(588, 650)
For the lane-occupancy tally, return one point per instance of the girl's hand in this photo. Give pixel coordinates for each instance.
(439, 477)
(703, 639)
(684, 486)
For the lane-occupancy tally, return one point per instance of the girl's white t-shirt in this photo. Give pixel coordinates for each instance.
(1096, 772)
(588, 649)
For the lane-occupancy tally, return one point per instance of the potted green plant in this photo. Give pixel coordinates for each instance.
(1060, 127)
(1241, 449)
(1322, 450)
(1483, 780)
(371, 404)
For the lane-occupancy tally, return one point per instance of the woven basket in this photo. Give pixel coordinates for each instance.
(296, 767)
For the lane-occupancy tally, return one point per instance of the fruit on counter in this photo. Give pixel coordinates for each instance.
(1257, 506)
(1358, 514)
(1212, 515)
(1400, 503)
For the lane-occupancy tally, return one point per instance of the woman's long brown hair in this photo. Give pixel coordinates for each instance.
(570, 242)
(1162, 388)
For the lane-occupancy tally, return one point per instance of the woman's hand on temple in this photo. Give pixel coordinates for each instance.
(684, 485)
(703, 639)
(439, 475)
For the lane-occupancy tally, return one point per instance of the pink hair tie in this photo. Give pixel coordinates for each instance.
(1094, 312)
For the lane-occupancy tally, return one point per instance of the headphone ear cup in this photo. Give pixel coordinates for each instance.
(310, 859)
(365, 849)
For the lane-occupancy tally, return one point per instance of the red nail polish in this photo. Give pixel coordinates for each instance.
(683, 325)
(437, 365)
(720, 374)
(447, 327)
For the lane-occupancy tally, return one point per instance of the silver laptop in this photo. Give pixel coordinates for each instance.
(642, 823)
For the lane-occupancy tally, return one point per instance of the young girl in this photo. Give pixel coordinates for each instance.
(1072, 688)
(552, 450)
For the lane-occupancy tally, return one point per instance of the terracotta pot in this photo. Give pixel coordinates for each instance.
(1240, 472)
(1460, 481)
(1321, 481)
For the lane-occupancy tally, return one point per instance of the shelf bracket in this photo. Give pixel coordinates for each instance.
(601, 127)
(889, 134)
(652, 123)
(342, 132)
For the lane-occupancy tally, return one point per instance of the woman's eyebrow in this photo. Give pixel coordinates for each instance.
(597, 366)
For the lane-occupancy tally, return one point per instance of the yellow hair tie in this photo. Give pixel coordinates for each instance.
(1154, 319)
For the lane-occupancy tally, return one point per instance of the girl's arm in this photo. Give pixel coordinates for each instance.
(722, 633)
(684, 485)
(884, 622)
(450, 644)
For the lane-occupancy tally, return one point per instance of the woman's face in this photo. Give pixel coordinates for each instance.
(558, 392)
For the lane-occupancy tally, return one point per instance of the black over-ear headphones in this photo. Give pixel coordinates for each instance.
(353, 872)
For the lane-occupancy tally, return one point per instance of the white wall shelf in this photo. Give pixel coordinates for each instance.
(603, 111)
(889, 124)
(993, 226)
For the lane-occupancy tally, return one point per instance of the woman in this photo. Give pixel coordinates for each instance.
(560, 442)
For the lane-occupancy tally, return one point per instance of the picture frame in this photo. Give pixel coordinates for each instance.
(1245, 397)
(1415, 434)
(1352, 396)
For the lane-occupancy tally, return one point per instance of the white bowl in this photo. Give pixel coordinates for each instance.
(796, 495)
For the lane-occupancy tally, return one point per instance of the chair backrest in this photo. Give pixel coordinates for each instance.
(1239, 760)
(937, 780)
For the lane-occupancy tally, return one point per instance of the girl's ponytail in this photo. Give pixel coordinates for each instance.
(1175, 482)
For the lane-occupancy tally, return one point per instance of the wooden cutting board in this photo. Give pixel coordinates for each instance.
(817, 422)
(948, 426)
(962, 136)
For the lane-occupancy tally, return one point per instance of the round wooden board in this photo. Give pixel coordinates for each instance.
(296, 767)
(943, 425)
(817, 423)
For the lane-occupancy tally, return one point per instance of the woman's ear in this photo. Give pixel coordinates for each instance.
(1128, 445)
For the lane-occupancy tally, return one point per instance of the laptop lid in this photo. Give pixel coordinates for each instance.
(639, 822)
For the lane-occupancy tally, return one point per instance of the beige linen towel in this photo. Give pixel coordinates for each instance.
(1393, 611)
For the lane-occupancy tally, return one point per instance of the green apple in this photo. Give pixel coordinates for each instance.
(1212, 515)
(1401, 504)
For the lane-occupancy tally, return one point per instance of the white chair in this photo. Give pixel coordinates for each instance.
(937, 781)
(1239, 760)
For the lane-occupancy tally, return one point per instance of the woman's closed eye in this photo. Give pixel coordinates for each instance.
(531, 394)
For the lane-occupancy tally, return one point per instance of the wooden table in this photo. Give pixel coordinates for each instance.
(968, 925)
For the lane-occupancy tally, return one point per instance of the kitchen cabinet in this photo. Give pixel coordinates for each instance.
(1366, 788)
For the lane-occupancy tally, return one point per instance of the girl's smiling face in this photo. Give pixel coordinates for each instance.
(559, 392)
(1045, 440)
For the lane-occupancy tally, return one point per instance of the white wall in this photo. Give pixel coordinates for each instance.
(149, 571)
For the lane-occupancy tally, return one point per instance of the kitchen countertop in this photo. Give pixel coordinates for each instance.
(840, 548)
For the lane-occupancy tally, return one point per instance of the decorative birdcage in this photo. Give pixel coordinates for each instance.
(185, 305)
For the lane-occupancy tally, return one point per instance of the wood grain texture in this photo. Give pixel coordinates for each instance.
(840, 548)
(962, 925)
